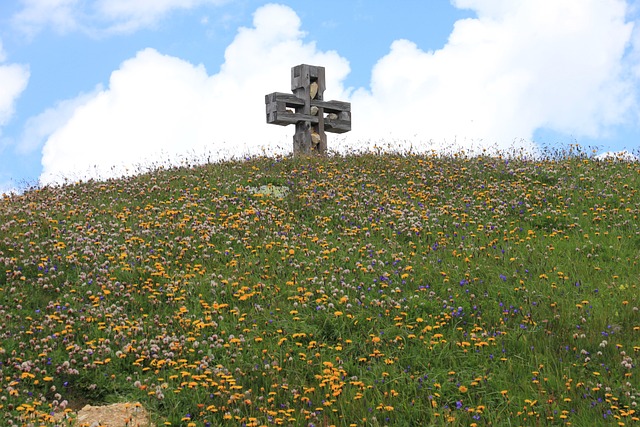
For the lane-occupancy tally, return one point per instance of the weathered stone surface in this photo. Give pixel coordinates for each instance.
(314, 110)
(277, 191)
(116, 415)
(313, 90)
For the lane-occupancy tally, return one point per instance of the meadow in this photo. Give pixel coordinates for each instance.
(354, 290)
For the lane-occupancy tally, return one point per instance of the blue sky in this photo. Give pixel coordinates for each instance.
(98, 88)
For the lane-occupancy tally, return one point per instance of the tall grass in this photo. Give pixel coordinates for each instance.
(363, 290)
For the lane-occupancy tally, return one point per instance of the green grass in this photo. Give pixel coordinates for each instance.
(378, 290)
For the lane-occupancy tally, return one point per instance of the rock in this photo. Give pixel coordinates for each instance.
(115, 415)
(315, 138)
(313, 90)
(314, 110)
(277, 191)
(332, 116)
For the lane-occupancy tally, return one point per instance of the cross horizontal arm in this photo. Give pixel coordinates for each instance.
(278, 113)
(289, 100)
(284, 118)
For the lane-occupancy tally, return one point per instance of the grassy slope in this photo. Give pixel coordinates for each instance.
(380, 290)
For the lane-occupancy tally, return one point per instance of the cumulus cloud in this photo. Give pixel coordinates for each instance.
(621, 156)
(157, 106)
(7, 188)
(516, 67)
(13, 81)
(37, 129)
(98, 16)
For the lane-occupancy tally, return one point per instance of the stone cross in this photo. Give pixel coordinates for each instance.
(308, 111)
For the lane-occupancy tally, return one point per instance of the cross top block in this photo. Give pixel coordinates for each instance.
(306, 109)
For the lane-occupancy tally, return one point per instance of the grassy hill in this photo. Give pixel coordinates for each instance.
(364, 290)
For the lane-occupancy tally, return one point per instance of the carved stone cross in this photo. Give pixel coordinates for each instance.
(308, 111)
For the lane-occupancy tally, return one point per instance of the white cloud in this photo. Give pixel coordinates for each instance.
(61, 15)
(157, 106)
(98, 16)
(7, 188)
(517, 67)
(37, 129)
(131, 15)
(621, 156)
(13, 80)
